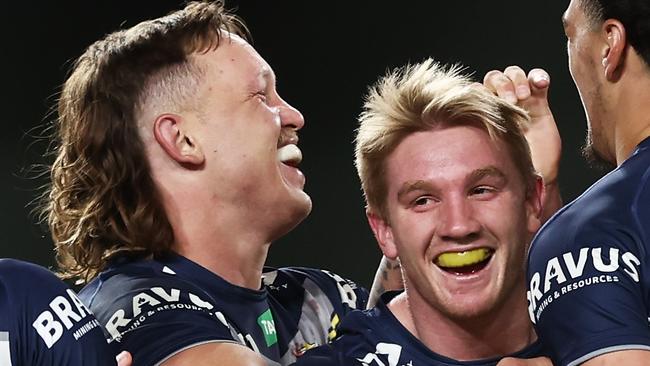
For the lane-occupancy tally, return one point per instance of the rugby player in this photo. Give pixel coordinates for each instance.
(177, 167)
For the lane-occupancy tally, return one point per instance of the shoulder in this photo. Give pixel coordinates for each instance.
(45, 320)
(153, 312)
(343, 293)
(16, 274)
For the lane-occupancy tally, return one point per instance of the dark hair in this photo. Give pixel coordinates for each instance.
(102, 199)
(634, 14)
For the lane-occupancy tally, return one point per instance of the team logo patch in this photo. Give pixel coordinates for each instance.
(266, 323)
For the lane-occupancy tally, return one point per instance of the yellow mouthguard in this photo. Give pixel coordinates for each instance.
(462, 259)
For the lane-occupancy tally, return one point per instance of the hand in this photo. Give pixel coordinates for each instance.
(511, 361)
(530, 92)
(124, 359)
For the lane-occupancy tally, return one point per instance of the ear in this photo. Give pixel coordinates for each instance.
(534, 205)
(171, 133)
(383, 233)
(614, 52)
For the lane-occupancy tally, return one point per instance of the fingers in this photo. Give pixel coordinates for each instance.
(124, 359)
(498, 83)
(513, 85)
(539, 81)
(519, 80)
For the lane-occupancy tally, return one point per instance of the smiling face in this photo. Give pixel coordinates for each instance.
(249, 137)
(459, 219)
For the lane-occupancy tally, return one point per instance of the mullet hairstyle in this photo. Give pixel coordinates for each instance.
(422, 97)
(633, 14)
(102, 199)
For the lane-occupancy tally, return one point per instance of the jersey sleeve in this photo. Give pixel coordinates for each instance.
(344, 293)
(43, 322)
(156, 318)
(589, 298)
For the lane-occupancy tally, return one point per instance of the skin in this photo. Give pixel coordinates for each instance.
(614, 86)
(452, 197)
(529, 92)
(612, 81)
(208, 165)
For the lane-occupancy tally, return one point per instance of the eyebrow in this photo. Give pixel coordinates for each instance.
(474, 176)
(412, 186)
(489, 171)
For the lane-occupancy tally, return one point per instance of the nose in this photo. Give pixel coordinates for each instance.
(457, 221)
(290, 117)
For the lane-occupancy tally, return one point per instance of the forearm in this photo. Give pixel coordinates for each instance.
(387, 278)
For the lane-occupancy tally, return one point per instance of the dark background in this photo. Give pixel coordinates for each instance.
(325, 54)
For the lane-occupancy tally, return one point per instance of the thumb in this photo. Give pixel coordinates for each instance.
(539, 80)
(124, 359)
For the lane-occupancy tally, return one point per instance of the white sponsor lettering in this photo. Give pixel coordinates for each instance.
(49, 328)
(148, 303)
(557, 269)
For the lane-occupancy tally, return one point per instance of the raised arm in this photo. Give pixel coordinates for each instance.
(531, 93)
(387, 278)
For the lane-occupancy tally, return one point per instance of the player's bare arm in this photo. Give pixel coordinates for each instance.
(531, 93)
(538, 361)
(216, 354)
(627, 358)
(387, 278)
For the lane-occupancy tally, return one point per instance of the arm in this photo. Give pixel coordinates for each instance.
(627, 358)
(387, 278)
(538, 361)
(216, 354)
(531, 93)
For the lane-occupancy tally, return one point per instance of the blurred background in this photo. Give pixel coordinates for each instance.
(325, 54)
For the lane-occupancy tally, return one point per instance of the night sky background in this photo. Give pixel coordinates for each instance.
(325, 54)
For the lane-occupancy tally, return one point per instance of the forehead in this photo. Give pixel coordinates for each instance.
(235, 59)
(446, 154)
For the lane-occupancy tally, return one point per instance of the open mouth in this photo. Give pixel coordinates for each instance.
(467, 262)
(290, 155)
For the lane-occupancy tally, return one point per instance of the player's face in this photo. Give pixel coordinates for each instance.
(583, 65)
(249, 137)
(459, 220)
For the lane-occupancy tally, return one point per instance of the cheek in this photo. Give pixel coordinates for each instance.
(413, 235)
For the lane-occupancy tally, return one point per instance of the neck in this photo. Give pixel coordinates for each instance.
(630, 108)
(227, 243)
(239, 264)
(503, 331)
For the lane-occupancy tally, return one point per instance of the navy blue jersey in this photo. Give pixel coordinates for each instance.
(375, 337)
(159, 307)
(588, 289)
(42, 322)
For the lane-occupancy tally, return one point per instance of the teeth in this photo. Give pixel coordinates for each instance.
(462, 259)
(290, 154)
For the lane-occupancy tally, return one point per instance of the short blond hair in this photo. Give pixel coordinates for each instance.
(418, 98)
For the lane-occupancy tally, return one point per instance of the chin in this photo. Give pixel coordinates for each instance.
(293, 213)
(594, 156)
(470, 308)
